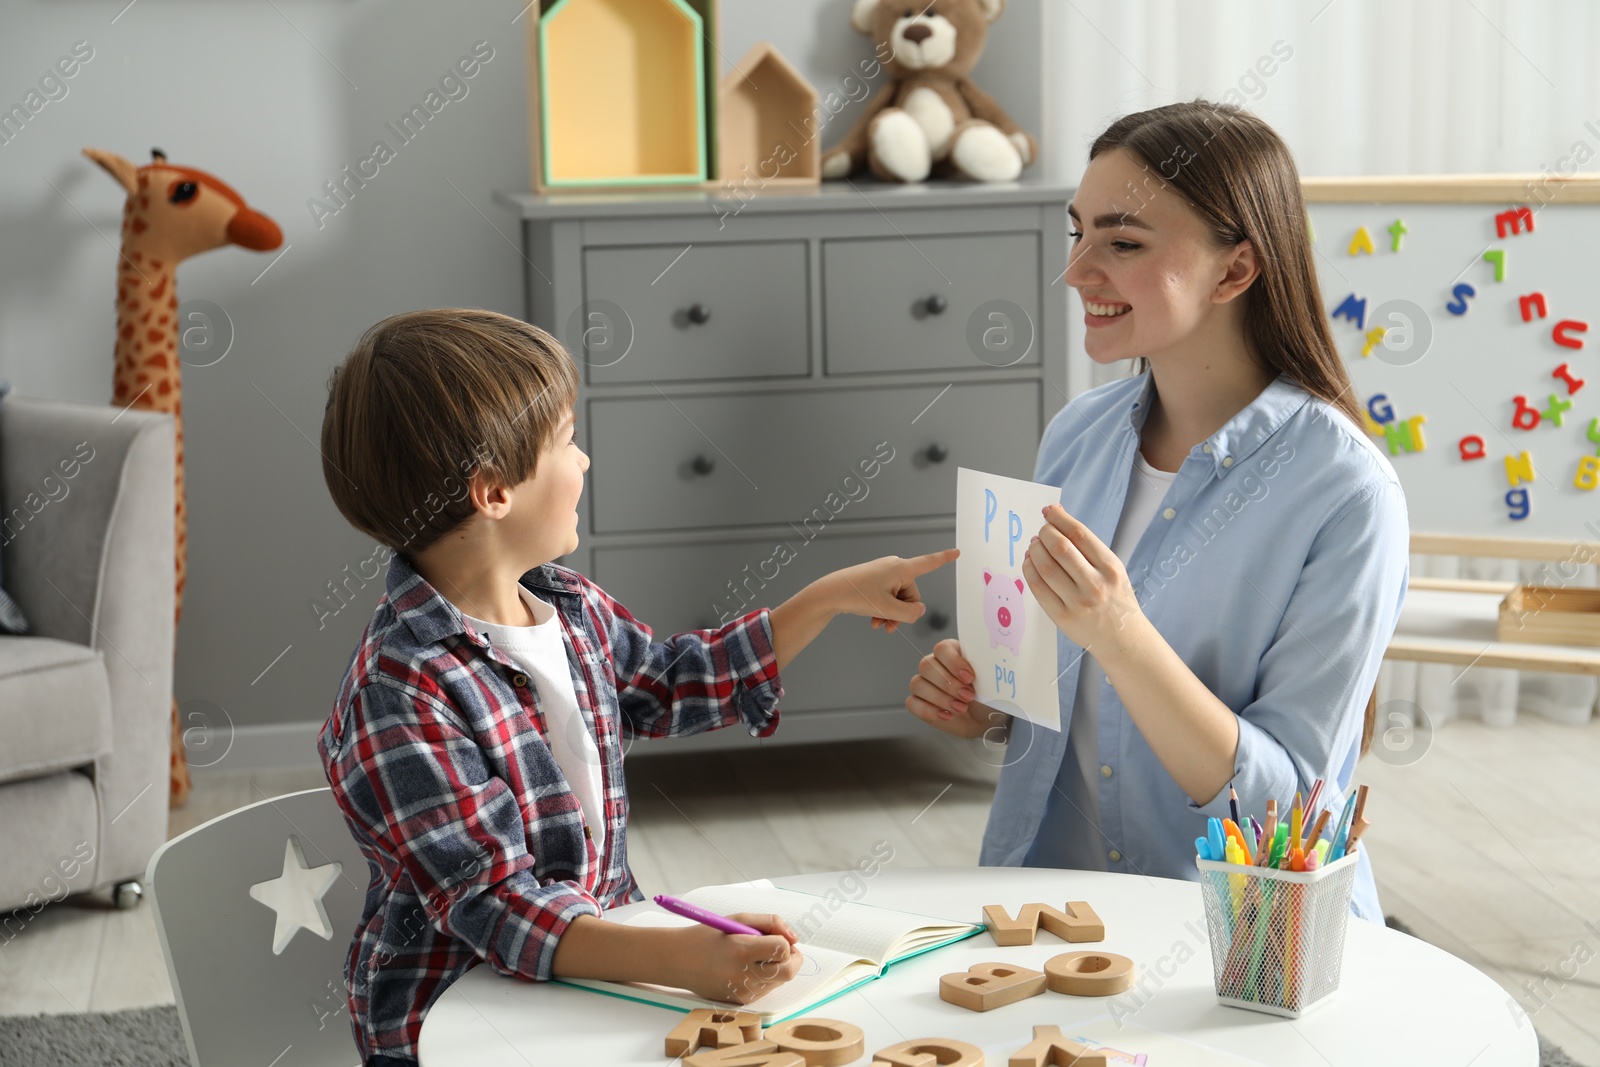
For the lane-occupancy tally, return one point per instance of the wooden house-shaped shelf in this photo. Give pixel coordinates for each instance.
(621, 93)
(769, 132)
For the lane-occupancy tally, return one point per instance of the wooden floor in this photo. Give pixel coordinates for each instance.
(1488, 846)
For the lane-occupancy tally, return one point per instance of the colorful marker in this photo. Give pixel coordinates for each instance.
(709, 918)
(1216, 838)
(1343, 831)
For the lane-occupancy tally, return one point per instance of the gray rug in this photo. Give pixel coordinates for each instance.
(142, 1037)
(152, 1037)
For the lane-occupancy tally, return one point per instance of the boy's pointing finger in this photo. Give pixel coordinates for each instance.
(932, 561)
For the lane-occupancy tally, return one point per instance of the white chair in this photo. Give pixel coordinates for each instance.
(255, 910)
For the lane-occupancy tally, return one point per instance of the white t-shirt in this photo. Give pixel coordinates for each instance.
(542, 652)
(1147, 487)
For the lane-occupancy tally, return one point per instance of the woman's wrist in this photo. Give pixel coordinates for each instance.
(1127, 645)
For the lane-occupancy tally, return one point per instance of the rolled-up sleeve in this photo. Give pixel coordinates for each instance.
(413, 774)
(1317, 674)
(694, 681)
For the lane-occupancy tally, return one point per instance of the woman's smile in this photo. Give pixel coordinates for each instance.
(1098, 313)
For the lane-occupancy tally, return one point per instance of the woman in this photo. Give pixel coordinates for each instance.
(1231, 549)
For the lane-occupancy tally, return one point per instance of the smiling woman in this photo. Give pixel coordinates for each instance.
(1250, 669)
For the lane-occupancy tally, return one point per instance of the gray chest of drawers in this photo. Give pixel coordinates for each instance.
(778, 387)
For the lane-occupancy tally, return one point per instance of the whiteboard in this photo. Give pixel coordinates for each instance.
(1461, 372)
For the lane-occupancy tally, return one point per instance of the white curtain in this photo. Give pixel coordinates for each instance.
(1368, 87)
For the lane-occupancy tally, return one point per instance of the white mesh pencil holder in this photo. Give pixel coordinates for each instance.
(1277, 937)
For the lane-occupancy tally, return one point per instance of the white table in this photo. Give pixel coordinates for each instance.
(1400, 1001)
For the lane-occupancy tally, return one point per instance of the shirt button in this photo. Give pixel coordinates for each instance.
(1206, 449)
(519, 679)
(1169, 513)
(1227, 461)
(1116, 856)
(1105, 771)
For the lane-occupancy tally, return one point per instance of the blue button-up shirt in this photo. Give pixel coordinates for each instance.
(1275, 567)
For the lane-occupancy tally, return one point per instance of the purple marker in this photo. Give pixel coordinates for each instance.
(701, 915)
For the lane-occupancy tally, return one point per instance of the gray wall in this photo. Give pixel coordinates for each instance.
(275, 100)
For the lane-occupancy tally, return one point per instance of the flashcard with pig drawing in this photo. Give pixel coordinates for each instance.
(1003, 631)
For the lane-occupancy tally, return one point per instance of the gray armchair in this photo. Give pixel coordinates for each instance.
(86, 532)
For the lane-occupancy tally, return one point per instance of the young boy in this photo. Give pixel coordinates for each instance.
(475, 746)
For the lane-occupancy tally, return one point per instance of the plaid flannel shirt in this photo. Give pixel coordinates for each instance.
(476, 846)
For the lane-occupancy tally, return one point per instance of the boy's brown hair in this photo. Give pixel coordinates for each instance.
(427, 399)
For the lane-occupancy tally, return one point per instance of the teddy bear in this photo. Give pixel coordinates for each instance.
(930, 119)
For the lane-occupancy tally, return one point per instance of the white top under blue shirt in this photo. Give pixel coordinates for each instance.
(541, 650)
(1275, 566)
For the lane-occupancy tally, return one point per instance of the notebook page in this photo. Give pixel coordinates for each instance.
(822, 972)
(873, 933)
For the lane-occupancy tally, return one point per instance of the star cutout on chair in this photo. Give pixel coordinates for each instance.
(296, 897)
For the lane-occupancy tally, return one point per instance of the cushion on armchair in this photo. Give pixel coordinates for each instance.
(11, 618)
(55, 706)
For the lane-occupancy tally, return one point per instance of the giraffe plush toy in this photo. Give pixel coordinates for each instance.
(171, 213)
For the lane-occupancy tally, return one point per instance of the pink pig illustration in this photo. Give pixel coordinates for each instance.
(1002, 610)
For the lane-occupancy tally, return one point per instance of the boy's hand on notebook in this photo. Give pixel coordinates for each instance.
(942, 694)
(885, 589)
(737, 967)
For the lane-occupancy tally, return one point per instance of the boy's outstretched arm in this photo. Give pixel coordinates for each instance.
(702, 680)
(884, 590)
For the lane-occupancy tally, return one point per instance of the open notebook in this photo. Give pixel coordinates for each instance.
(842, 947)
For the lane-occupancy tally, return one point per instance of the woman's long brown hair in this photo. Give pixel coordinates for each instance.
(1240, 178)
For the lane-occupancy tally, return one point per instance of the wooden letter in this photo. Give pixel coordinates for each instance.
(820, 1042)
(750, 1054)
(1049, 1049)
(929, 1052)
(1088, 974)
(1078, 923)
(705, 1028)
(986, 986)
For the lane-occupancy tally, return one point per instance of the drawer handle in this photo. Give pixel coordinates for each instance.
(935, 305)
(702, 464)
(937, 453)
(698, 314)
(938, 620)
